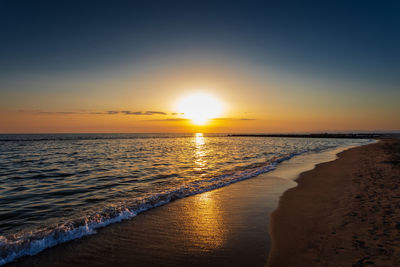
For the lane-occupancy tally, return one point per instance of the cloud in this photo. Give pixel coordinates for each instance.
(234, 119)
(108, 112)
(170, 120)
(217, 119)
(58, 112)
(49, 112)
(155, 113)
(112, 112)
(128, 112)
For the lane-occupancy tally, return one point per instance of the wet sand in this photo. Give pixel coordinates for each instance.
(342, 213)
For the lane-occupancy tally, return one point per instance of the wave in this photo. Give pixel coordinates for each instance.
(33, 242)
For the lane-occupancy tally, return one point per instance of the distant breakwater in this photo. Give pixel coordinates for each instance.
(325, 135)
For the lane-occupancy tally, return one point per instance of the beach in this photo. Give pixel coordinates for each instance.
(225, 226)
(342, 213)
(61, 188)
(199, 133)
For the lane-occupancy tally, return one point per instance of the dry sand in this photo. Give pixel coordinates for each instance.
(342, 213)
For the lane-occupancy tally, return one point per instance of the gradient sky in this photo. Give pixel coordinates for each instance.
(120, 66)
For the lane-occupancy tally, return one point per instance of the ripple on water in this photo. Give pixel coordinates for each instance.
(54, 188)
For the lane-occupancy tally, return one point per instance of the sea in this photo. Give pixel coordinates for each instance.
(58, 187)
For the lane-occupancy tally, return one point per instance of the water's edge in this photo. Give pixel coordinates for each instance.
(287, 170)
(32, 245)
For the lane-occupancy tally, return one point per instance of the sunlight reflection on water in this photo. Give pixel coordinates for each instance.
(200, 153)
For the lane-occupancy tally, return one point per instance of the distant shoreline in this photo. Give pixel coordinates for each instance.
(323, 135)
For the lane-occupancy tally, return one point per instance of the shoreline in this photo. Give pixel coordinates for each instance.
(348, 219)
(50, 241)
(231, 202)
(322, 135)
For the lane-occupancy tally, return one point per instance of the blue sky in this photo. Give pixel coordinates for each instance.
(350, 46)
(356, 39)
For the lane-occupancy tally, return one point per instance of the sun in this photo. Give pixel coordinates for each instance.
(199, 107)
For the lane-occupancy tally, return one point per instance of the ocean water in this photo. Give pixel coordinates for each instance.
(55, 188)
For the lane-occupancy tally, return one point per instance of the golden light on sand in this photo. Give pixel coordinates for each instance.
(204, 218)
(199, 107)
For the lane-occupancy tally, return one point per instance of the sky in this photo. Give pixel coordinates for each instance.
(275, 66)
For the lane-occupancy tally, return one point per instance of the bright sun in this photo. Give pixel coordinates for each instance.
(199, 107)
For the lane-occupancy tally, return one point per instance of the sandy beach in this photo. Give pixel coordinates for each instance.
(199, 133)
(342, 213)
(227, 226)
